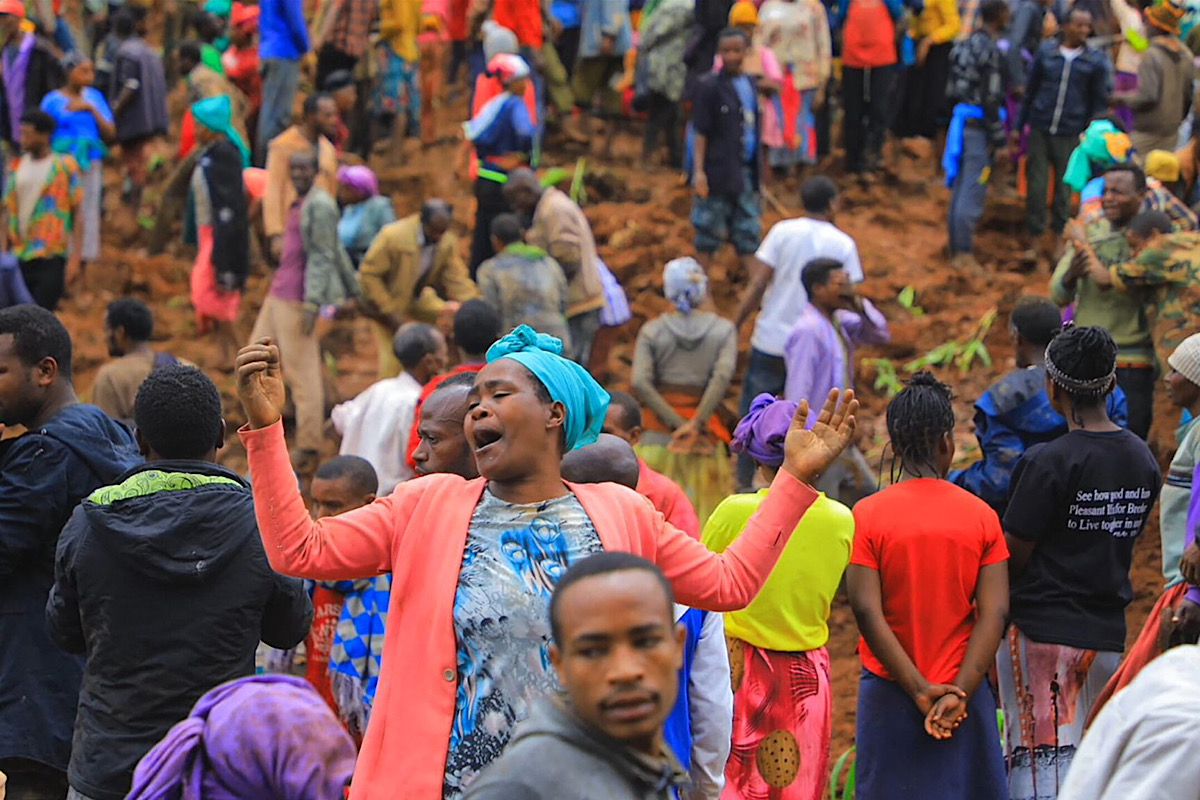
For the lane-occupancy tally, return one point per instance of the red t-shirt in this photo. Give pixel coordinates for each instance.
(522, 17)
(670, 500)
(327, 609)
(927, 539)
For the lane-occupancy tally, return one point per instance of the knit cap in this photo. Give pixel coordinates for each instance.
(1186, 358)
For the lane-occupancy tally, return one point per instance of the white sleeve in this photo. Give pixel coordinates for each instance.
(853, 265)
(767, 249)
(711, 698)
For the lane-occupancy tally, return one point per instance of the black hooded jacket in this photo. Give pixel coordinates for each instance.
(162, 581)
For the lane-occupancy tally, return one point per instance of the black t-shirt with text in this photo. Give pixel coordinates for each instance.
(1081, 499)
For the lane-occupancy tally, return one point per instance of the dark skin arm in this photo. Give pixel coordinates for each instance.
(866, 598)
(760, 278)
(1019, 553)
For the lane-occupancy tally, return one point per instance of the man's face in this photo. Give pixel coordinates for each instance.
(836, 292)
(113, 341)
(331, 497)
(1077, 28)
(1182, 392)
(326, 117)
(303, 171)
(443, 447)
(22, 387)
(619, 655)
(345, 98)
(521, 199)
(436, 228)
(614, 423)
(732, 50)
(1121, 199)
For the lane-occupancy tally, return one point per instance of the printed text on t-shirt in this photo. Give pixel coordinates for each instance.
(1118, 512)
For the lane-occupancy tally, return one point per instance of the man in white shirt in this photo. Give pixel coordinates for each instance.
(376, 424)
(775, 283)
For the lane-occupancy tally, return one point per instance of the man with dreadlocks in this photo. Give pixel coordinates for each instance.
(930, 593)
(1077, 504)
(1015, 413)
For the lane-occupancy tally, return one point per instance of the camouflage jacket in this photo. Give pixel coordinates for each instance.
(1169, 268)
(1122, 314)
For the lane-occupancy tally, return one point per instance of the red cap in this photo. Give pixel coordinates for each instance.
(241, 15)
(13, 8)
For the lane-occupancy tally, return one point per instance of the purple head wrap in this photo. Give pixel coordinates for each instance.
(257, 738)
(359, 178)
(761, 433)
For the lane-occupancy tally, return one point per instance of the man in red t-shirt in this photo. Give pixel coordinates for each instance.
(476, 328)
(625, 420)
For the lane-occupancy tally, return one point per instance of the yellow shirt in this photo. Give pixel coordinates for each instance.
(791, 613)
(939, 21)
(399, 24)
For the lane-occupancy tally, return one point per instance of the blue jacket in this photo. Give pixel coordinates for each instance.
(717, 115)
(1012, 416)
(1062, 97)
(43, 476)
(162, 581)
(282, 31)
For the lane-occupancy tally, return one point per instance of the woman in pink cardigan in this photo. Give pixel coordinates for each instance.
(473, 563)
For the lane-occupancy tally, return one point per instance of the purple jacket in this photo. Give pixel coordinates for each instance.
(1193, 520)
(819, 355)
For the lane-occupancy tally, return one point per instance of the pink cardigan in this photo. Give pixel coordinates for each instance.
(418, 533)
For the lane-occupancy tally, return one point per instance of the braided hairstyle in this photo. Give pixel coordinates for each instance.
(1082, 362)
(917, 418)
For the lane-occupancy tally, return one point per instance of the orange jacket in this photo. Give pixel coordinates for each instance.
(419, 532)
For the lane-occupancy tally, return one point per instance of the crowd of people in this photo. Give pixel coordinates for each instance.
(621, 590)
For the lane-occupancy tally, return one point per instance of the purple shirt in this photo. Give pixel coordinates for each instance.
(289, 278)
(820, 355)
(1193, 521)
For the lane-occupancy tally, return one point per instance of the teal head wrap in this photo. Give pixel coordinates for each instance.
(216, 114)
(567, 382)
(1100, 146)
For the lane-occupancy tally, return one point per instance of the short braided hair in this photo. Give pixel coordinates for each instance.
(916, 418)
(1083, 362)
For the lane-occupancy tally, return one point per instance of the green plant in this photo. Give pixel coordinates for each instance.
(940, 356)
(886, 380)
(975, 348)
(908, 299)
(578, 192)
(835, 777)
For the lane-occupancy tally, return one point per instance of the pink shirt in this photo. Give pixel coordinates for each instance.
(419, 532)
(670, 500)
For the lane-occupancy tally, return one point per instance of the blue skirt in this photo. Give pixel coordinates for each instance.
(896, 759)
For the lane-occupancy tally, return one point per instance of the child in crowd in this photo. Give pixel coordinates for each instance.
(1077, 504)
(930, 593)
(42, 199)
(725, 174)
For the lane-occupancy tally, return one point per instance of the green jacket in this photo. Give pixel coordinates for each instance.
(329, 276)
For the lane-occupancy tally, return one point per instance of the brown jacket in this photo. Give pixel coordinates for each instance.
(280, 192)
(560, 228)
(391, 273)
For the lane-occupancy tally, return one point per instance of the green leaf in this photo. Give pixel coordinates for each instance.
(907, 297)
(836, 774)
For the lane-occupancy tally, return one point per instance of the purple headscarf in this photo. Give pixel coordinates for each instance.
(761, 433)
(359, 178)
(267, 737)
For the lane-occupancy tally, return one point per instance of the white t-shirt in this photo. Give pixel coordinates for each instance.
(375, 425)
(788, 246)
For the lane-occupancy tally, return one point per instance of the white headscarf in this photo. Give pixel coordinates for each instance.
(684, 283)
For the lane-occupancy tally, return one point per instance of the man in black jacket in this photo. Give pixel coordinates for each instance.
(162, 581)
(1067, 89)
(69, 448)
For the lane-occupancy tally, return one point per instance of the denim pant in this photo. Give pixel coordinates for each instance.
(280, 79)
(970, 190)
(1138, 385)
(764, 374)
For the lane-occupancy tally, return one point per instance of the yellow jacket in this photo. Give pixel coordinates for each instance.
(280, 193)
(399, 24)
(939, 21)
(391, 273)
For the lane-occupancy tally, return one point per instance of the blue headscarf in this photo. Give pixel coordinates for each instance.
(567, 382)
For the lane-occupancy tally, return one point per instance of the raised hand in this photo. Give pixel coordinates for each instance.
(808, 453)
(260, 383)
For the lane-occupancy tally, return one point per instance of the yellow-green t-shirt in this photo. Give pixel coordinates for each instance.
(791, 613)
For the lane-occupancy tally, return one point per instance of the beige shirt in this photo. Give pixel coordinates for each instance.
(560, 228)
(280, 192)
(117, 384)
